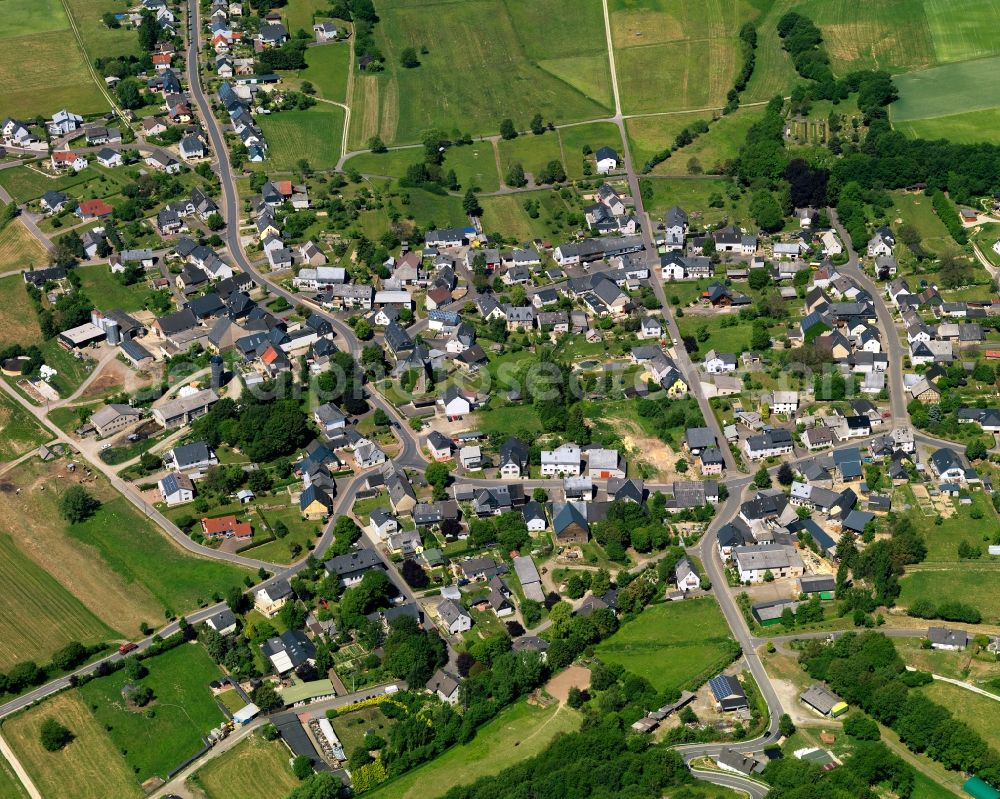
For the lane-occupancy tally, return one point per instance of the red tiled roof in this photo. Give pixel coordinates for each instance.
(226, 526)
(270, 355)
(162, 58)
(68, 156)
(285, 187)
(95, 208)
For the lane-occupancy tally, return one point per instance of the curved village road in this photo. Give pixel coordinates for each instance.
(410, 455)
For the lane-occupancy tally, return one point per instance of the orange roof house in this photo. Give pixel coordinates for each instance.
(94, 209)
(226, 527)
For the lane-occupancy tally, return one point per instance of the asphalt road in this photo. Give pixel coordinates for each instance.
(890, 335)
(410, 454)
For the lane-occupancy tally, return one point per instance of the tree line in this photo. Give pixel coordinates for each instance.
(867, 671)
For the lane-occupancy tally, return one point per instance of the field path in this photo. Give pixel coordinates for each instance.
(611, 60)
(102, 87)
(964, 685)
(22, 775)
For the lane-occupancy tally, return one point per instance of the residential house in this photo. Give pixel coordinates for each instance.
(607, 160)
(176, 489)
(454, 618)
(269, 599)
(562, 461)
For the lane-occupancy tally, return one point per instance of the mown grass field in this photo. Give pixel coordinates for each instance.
(670, 644)
(595, 135)
(103, 287)
(946, 90)
(916, 210)
(676, 57)
(724, 339)
(506, 214)
(978, 587)
(351, 728)
(183, 705)
(18, 322)
(712, 150)
(10, 785)
(88, 768)
(975, 710)
(547, 57)
(42, 69)
(519, 732)
(24, 183)
(970, 128)
(474, 164)
(327, 70)
(531, 152)
(424, 208)
(695, 195)
(20, 432)
(253, 769)
(650, 135)
(314, 134)
(98, 39)
(299, 14)
(117, 564)
(943, 539)
(19, 250)
(40, 616)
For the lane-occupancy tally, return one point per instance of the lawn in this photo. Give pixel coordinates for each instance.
(253, 769)
(695, 195)
(184, 710)
(327, 70)
(724, 339)
(20, 250)
(351, 728)
(18, 322)
(673, 645)
(40, 615)
(916, 210)
(431, 210)
(595, 135)
(974, 586)
(519, 732)
(90, 767)
(925, 788)
(974, 709)
(300, 532)
(546, 57)
(70, 371)
(116, 563)
(943, 539)
(25, 183)
(104, 289)
(298, 14)
(20, 432)
(314, 134)
(514, 419)
(55, 75)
